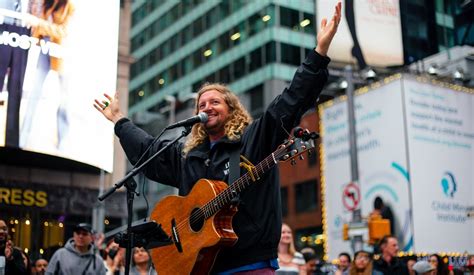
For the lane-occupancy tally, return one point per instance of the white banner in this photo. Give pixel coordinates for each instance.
(440, 124)
(432, 196)
(381, 158)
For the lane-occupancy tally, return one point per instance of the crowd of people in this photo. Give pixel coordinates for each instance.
(84, 253)
(89, 253)
(363, 262)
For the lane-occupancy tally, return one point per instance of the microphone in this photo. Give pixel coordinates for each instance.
(199, 118)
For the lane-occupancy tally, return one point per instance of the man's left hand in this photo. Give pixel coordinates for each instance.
(328, 30)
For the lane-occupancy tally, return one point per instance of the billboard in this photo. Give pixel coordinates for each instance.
(56, 56)
(359, 34)
(440, 134)
(415, 145)
(382, 164)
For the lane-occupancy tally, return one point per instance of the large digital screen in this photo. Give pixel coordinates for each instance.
(56, 56)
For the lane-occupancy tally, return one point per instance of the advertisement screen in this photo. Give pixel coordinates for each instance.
(56, 56)
(370, 32)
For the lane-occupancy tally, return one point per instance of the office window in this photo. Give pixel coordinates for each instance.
(224, 8)
(270, 52)
(198, 26)
(175, 42)
(256, 101)
(224, 74)
(224, 42)
(255, 60)
(308, 23)
(289, 18)
(239, 68)
(290, 54)
(197, 58)
(188, 5)
(306, 196)
(256, 24)
(166, 48)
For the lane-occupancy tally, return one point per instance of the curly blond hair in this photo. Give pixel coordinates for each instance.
(237, 121)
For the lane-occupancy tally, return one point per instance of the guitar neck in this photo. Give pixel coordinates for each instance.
(234, 189)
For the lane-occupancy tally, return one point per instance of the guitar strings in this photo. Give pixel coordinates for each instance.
(220, 199)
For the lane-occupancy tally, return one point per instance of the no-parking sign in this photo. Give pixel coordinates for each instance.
(351, 196)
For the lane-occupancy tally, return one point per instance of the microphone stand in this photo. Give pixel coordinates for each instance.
(130, 185)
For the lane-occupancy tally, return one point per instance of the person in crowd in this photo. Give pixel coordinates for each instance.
(344, 261)
(27, 262)
(78, 255)
(362, 264)
(40, 266)
(469, 268)
(389, 263)
(141, 262)
(14, 263)
(228, 130)
(424, 268)
(114, 257)
(440, 267)
(311, 260)
(410, 262)
(289, 260)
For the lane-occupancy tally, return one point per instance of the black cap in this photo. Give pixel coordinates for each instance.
(83, 226)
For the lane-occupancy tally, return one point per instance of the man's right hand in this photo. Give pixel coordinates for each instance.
(110, 107)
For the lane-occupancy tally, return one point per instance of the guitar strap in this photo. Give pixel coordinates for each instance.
(234, 171)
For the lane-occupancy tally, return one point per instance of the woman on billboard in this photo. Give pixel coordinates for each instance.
(49, 23)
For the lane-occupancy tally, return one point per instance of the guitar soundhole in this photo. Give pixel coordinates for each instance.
(196, 220)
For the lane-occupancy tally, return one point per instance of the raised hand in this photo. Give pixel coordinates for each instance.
(110, 107)
(328, 30)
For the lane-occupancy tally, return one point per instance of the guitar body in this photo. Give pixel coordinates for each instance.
(200, 238)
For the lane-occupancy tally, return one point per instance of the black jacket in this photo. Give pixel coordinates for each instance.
(396, 266)
(258, 221)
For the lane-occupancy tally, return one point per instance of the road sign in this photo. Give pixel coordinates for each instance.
(351, 196)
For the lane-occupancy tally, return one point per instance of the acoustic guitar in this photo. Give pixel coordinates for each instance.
(200, 224)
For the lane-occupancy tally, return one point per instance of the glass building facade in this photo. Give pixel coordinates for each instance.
(179, 45)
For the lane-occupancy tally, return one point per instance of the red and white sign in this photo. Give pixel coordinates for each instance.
(351, 196)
